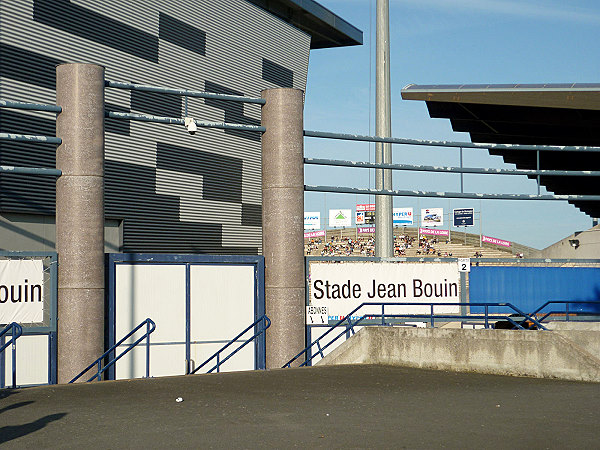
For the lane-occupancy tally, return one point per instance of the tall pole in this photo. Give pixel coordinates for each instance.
(80, 216)
(384, 241)
(283, 223)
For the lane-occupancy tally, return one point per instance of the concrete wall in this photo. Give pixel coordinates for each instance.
(504, 352)
(589, 246)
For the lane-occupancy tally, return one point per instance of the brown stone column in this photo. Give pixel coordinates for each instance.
(283, 222)
(80, 216)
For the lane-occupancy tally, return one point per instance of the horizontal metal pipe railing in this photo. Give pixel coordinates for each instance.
(183, 92)
(454, 144)
(30, 138)
(31, 171)
(431, 194)
(30, 106)
(566, 311)
(444, 169)
(180, 121)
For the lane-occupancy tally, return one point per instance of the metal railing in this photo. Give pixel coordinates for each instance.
(30, 138)
(566, 311)
(185, 93)
(262, 323)
(16, 331)
(462, 170)
(373, 319)
(150, 327)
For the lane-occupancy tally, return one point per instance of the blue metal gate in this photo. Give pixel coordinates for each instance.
(529, 287)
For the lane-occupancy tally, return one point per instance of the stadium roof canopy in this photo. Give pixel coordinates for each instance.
(527, 114)
(326, 28)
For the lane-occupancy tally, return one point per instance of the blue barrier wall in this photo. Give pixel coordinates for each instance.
(530, 287)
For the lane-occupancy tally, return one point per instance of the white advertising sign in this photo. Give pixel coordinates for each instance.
(340, 218)
(432, 217)
(21, 291)
(403, 216)
(312, 220)
(343, 287)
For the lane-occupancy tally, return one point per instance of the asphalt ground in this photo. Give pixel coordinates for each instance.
(361, 406)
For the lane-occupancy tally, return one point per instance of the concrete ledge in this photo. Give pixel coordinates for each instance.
(540, 354)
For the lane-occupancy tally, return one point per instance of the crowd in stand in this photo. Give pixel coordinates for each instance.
(337, 246)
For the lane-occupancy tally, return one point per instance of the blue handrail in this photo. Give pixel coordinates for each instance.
(217, 355)
(566, 311)
(350, 324)
(16, 331)
(150, 327)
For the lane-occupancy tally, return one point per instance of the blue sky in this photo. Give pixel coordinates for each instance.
(447, 42)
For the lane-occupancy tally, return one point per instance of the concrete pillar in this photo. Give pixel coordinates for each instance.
(283, 223)
(80, 216)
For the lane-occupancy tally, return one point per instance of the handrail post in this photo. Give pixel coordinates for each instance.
(218, 362)
(147, 349)
(567, 310)
(14, 356)
(432, 319)
(486, 317)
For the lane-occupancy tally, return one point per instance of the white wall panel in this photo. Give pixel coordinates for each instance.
(32, 361)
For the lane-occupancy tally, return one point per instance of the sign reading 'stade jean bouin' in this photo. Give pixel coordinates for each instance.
(21, 291)
(343, 287)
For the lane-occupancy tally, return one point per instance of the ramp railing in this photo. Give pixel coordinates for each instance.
(16, 331)
(567, 311)
(260, 326)
(150, 327)
(352, 319)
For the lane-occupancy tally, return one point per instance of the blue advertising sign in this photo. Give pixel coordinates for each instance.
(463, 217)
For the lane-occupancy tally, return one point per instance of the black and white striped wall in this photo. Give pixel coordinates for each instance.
(173, 192)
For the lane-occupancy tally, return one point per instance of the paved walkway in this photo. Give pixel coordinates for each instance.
(324, 407)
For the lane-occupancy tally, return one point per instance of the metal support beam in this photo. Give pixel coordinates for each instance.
(455, 144)
(283, 223)
(384, 239)
(30, 171)
(180, 121)
(431, 194)
(80, 216)
(445, 169)
(30, 106)
(183, 92)
(29, 138)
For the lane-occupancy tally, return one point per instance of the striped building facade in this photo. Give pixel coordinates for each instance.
(165, 190)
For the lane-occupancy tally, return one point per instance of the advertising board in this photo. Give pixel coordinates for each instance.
(463, 217)
(312, 220)
(496, 241)
(403, 216)
(340, 218)
(366, 230)
(365, 213)
(343, 287)
(434, 232)
(432, 217)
